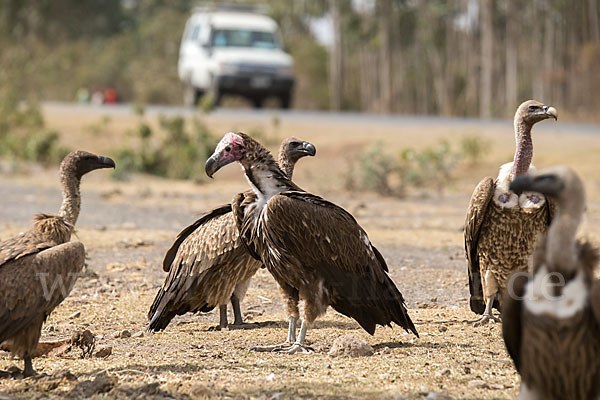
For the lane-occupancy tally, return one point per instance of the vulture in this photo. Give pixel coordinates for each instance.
(315, 250)
(501, 226)
(208, 264)
(551, 318)
(39, 267)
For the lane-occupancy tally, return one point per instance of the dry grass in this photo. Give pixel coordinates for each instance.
(420, 237)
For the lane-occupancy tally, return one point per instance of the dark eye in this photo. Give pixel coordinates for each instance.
(295, 144)
(228, 149)
(533, 108)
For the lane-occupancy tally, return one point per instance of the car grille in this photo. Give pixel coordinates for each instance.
(247, 68)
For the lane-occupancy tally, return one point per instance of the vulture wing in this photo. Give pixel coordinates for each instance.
(475, 215)
(512, 314)
(28, 243)
(33, 285)
(310, 233)
(195, 280)
(240, 203)
(172, 252)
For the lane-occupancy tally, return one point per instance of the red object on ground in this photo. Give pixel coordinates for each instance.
(110, 96)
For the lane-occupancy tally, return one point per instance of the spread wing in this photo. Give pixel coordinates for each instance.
(33, 285)
(28, 243)
(198, 275)
(512, 314)
(316, 235)
(183, 235)
(475, 215)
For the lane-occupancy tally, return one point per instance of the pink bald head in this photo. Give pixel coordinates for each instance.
(230, 148)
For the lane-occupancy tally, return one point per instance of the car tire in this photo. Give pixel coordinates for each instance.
(191, 96)
(257, 101)
(285, 100)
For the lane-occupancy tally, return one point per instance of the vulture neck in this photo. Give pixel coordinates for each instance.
(524, 151)
(561, 243)
(71, 203)
(266, 178)
(286, 165)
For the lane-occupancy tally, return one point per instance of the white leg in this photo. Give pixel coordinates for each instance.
(291, 337)
(299, 346)
(487, 314)
(528, 394)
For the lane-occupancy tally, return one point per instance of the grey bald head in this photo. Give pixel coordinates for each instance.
(294, 149)
(79, 163)
(532, 111)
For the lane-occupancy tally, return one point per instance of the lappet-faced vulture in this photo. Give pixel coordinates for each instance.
(315, 250)
(208, 264)
(39, 267)
(501, 226)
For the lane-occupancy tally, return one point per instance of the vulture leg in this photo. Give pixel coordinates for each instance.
(28, 370)
(237, 312)
(487, 314)
(222, 319)
(289, 342)
(299, 346)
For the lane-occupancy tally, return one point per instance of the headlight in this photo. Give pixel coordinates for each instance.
(286, 71)
(228, 69)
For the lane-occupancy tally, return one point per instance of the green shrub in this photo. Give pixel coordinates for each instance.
(474, 148)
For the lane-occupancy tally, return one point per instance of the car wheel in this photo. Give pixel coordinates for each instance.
(257, 101)
(285, 100)
(191, 95)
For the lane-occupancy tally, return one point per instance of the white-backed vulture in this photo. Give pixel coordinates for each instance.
(551, 318)
(39, 267)
(501, 227)
(208, 264)
(315, 250)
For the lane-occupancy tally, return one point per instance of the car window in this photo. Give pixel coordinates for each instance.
(195, 33)
(244, 38)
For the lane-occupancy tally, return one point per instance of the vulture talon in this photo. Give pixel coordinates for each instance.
(274, 348)
(298, 348)
(485, 319)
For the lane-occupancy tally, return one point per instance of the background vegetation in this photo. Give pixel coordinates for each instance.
(463, 57)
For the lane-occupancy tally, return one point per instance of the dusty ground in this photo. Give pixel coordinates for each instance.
(127, 227)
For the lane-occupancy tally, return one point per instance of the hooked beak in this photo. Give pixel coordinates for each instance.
(212, 165)
(308, 149)
(105, 162)
(521, 184)
(551, 112)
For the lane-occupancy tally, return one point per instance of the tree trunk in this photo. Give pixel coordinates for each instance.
(336, 67)
(512, 41)
(384, 10)
(486, 54)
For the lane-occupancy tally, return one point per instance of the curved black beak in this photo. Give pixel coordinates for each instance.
(212, 165)
(521, 184)
(105, 162)
(309, 148)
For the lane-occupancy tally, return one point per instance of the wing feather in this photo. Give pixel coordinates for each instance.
(512, 307)
(478, 205)
(33, 285)
(321, 238)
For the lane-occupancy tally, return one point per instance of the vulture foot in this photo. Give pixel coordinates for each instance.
(485, 319)
(28, 371)
(273, 348)
(298, 348)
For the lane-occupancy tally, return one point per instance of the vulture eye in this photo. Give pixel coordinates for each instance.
(533, 108)
(228, 149)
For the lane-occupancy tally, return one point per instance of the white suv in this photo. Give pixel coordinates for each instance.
(234, 52)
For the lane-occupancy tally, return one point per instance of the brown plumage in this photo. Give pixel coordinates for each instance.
(39, 267)
(208, 264)
(315, 250)
(501, 227)
(551, 319)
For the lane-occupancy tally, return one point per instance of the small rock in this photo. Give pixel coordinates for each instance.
(478, 384)
(497, 386)
(352, 346)
(103, 352)
(138, 334)
(442, 328)
(76, 314)
(446, 372)
(122, 334)
(200, 391)
(270, 377)
(467, 370)
(438, 396)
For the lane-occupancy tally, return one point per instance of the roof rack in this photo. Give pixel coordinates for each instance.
(235, 7)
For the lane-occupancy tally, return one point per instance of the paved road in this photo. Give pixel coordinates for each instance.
(315, 116)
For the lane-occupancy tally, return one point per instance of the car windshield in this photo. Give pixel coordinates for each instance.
(244, 38)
